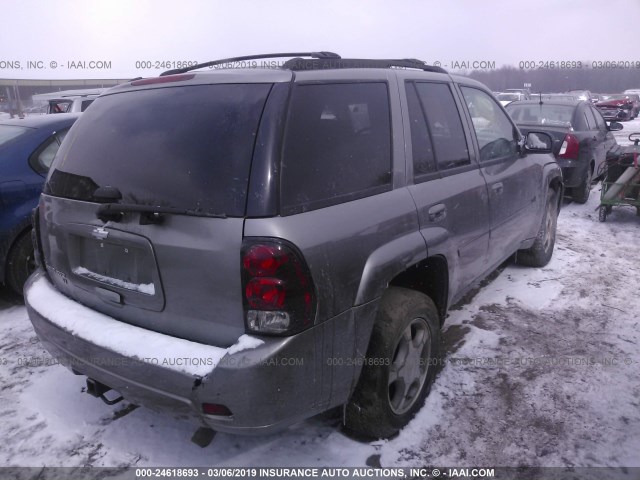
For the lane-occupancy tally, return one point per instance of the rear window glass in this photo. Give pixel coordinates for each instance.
(337, 145)
(9, 132)
(184, 147)
(560, 115)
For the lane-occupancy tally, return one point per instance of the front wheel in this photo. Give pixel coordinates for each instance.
(400, 365)
(539, 254)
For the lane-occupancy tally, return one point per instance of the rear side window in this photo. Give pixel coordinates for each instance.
(423, 157)
(41, 159)
(187, 147)
(337, 145)
(445, 125)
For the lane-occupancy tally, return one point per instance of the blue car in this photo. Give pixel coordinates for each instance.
(27, 148)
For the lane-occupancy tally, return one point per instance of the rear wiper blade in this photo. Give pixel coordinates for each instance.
(151, 213)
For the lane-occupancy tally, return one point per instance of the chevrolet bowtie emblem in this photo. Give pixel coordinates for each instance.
(99, 233)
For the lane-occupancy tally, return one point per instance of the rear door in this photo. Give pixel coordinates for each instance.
(449, 190)
(608, 139)
(513, 181)
(594, 139)
(186, 148)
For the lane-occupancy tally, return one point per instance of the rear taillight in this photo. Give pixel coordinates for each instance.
(278, 291)
(570, 147)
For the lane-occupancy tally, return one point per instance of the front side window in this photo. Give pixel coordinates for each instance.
(494, 131)
(59, 106)
(337, 145)
(602, 125)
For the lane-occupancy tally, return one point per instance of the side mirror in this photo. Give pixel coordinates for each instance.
(614, 126)
(538, 142)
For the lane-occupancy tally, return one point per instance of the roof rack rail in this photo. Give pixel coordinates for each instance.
(298, 64)
(319, 55)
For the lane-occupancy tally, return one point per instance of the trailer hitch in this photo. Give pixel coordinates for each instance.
(97, 389)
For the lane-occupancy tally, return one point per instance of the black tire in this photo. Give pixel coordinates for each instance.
(20, 263)
(580, 194)
(405, 338)
(540, 253)
(602, 213)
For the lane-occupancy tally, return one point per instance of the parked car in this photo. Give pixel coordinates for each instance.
(635, 98)
(27, 148)
(71, 104)
(507, 98)
(584, 95)
(632, 90)
(297, 257)
(581, 136)
(618, 107)
(525, 92)
(554, 96)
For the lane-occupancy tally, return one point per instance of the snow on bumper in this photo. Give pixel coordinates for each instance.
(127, 340)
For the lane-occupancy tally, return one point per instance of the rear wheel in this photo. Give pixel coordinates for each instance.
(580, 194)
(539, 254)
(400, 365)
(20, 263)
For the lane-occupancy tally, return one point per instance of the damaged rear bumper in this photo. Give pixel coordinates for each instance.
(266, 388)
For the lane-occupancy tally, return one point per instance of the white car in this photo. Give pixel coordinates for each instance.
(508, 97)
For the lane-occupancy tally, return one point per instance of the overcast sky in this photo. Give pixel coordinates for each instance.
(125, 31)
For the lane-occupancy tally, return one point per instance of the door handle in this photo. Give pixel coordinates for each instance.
(437, 212)
(498, 188)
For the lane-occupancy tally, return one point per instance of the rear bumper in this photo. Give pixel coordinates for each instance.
(573, 172)
(266, 388)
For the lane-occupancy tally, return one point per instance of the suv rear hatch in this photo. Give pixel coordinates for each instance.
(142, 212)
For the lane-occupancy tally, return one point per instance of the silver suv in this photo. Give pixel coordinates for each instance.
(250, 247)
